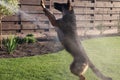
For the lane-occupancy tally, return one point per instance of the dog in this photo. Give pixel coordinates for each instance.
(66, 30)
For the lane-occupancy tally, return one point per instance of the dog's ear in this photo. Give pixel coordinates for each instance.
(69, 5)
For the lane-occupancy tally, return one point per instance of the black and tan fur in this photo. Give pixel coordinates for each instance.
(66, 29)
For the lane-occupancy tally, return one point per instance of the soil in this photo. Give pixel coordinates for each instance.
(32, 49)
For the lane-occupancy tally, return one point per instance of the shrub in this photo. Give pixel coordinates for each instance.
(19, 40)
(29, 35)
(30, 38)
(10, 43)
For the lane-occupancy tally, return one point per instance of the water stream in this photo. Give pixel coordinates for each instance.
(19, 11)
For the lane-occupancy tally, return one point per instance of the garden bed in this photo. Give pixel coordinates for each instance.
(31, 49)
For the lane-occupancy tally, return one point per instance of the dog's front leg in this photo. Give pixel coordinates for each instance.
(50, 16)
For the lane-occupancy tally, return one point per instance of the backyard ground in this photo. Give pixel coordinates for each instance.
(104, 53)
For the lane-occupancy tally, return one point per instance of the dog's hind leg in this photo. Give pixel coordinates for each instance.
(79, 69)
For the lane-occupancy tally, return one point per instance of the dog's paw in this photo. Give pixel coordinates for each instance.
(42, 4)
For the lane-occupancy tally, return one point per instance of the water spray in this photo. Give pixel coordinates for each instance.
(18, 11)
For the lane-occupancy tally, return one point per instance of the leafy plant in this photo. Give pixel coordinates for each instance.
(6, 5)
(29, 35)
(20, 40)
(10, 43)
(30, 38)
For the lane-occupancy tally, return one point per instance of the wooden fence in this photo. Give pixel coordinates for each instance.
(90, 14)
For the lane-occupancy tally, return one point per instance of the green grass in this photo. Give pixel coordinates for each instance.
(104, 52)
(46, 67)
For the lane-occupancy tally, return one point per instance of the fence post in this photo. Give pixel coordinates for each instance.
(118, 25)
(19, 18)
(94, 14)
(86, 22)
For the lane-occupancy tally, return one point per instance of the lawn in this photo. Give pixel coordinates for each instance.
(104, 52)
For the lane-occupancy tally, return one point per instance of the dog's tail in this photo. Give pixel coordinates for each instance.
(97, 72)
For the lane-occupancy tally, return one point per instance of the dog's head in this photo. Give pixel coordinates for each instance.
(63, 7)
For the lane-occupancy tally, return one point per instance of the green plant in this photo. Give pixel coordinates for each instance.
(29, 35)
(5, 6)
(30, 38)
(10, 43)
(20, 40)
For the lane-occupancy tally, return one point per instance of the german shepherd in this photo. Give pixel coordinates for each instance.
(66, 30)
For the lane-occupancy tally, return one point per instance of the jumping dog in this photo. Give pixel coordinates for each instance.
(66, 30)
